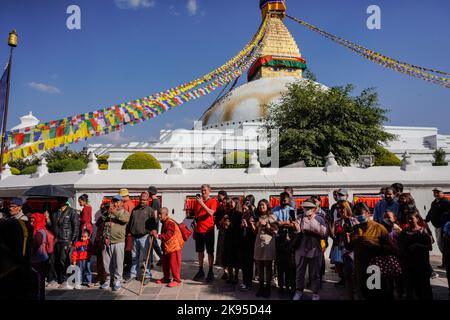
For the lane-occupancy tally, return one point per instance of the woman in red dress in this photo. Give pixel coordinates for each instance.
(86, 214)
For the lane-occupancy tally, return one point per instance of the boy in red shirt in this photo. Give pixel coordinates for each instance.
(204, 210)
(81, 257)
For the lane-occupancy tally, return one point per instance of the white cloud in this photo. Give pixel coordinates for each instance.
(173, 12)
(169, 125)
(135, 4)
(192, 6)
(44, 88)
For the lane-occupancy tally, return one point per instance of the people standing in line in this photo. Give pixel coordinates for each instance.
(65, 223)
(340, 256)
(415, 246)
(81, 257)
(141, 224)
(220, 213)
(231, 223)
(369, 240)
(128, 205)
(290, 192)
(15, 209)
(39, 252)
(204, 210)
(265, 247)
(86, 214)
(440, 208)
(285, 218)
(115, 221)
(156, 206)
(388, 203)
(313, 229)
(172, 243)
(247, 246)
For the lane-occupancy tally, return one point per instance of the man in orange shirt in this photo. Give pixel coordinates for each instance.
(204, 210)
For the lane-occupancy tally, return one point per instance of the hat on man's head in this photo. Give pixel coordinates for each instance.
(343, 191)
(152, 190)
(16, 202)
(438, 189)
(117, 197)
(309, 204)
(124, 192)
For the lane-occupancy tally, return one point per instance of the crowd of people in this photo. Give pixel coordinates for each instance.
(256, 243)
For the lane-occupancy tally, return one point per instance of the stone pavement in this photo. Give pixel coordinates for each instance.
(217, 290)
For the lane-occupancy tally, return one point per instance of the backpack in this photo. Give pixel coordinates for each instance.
(185, 232)
(50, 242)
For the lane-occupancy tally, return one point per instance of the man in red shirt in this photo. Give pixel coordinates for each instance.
(204, 210)
(128, 205)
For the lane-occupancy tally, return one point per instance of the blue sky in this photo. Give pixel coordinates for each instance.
(127, 49)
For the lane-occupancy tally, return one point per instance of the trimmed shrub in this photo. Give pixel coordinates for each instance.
(140, 161)
(29, 170)
(235, 155)
(66, 165)
(14, 171)
(439, 158)
(103, 166)
(385, 158)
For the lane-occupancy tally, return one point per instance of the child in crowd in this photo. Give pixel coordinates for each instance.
(81, 258)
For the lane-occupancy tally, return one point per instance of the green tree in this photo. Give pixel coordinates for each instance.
(314, 120)
(439, 158)
(236, 156)
(66, 160)
(140, 160)
(385, 158)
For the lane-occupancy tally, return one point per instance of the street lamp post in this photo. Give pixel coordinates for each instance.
(12, 43)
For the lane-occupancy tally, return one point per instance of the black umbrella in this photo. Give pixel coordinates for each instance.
(49, 191)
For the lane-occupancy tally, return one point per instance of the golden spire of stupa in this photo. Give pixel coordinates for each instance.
(280, 55)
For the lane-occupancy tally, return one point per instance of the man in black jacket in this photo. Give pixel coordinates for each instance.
(65, 223)
(440, 207)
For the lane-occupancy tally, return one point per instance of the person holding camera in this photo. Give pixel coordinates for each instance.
(204, 211)
(308, 254)
(115, 222)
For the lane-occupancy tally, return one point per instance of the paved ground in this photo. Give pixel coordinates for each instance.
(218, 290)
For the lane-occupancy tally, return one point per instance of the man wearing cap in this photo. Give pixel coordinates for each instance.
(15, 210)
(309, 253)
(440, 208)
(388, 203)
(115, 222)
(65, 224)
(128, 205)
(142, 222)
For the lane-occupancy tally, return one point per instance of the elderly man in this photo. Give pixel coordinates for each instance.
(15, 210)
(115, 221)
(142, 222)
(309, 254)
(440, 208)
(173, 243)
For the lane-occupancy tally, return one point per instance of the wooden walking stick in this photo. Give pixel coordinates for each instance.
(152, 239)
